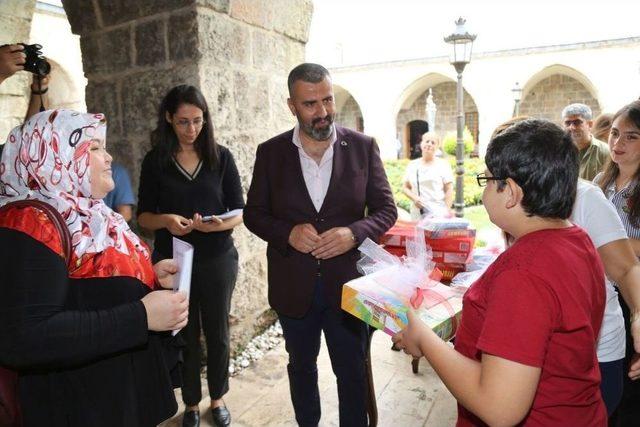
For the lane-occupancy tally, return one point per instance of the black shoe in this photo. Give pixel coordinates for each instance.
(191, 419)
(221, 416)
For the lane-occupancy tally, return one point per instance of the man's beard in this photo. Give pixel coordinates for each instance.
(578, 137)
(319, 134)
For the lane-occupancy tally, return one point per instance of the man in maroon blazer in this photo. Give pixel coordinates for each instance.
(318, 190)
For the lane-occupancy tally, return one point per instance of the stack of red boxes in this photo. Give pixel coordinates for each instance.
(451, 247)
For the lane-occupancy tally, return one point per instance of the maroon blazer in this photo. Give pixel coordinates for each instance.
(358, 197)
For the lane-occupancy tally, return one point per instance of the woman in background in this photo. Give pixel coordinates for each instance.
(428, 181)
(620, 184)
(185, 177)
(602, 126)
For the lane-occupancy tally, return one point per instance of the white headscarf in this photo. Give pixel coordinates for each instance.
(47, 159)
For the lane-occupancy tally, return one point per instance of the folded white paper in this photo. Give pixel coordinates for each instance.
(183, 257)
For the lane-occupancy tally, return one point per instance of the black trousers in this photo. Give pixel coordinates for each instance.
(628, 412)
(346, 339)
(212, 284)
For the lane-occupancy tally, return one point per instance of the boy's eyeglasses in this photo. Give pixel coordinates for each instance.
(482, 179)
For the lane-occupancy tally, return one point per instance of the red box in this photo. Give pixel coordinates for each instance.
(451, 257)
(447, 233)
(398, 234)
(448, 240)
(452, 244)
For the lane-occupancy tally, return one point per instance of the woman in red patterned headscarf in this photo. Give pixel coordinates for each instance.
(84, 337)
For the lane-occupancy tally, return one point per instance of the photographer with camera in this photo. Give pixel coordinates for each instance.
(19, 57)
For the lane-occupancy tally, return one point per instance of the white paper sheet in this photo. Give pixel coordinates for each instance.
(183, 257)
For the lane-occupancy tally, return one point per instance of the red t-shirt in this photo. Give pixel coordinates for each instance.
(541, 304)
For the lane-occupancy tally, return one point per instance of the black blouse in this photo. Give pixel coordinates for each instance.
(208, 192)
(81, 346)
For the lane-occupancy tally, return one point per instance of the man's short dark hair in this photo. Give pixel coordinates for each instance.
(541, 158)
(307, 72)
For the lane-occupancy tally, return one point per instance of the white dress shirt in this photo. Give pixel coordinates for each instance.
(316, 176)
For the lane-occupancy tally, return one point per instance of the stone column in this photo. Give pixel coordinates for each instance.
(238, 52)
(15, 25)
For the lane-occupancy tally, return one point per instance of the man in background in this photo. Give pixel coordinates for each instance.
(593, 153)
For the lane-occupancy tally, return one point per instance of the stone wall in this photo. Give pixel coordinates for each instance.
(15, 25)
(549, 96)
(444, 96)
(238, 52)
(350, 115)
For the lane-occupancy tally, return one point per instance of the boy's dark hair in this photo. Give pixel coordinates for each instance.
(541, 158)
(164, 139)
(307, 72)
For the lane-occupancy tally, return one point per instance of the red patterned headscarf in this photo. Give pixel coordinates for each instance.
(47, 158)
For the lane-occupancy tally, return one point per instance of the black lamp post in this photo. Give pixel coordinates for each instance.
(462, 43)
(517, 96)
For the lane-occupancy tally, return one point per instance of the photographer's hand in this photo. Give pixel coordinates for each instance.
(39, 98)
(11, 60)
(42, 86)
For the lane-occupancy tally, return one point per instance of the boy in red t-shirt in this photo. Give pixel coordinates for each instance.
(525, 349)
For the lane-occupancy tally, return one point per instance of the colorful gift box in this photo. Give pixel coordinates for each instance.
(371, 300)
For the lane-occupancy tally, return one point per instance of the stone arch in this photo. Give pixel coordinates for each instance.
(64, 90)
(548, 91)
(348, 111)
(412, 105)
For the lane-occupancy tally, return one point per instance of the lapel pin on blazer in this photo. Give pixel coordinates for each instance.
(343, 143)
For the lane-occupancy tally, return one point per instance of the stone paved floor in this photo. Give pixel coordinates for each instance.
(259, 395)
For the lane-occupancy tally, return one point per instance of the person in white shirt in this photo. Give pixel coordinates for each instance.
(428, 181)
(593, 212)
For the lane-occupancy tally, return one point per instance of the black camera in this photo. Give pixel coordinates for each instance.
(35, 62)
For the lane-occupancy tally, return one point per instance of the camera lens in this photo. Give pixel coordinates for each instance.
(42, 67)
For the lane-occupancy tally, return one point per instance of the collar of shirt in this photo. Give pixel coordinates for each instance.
(328, 154)
(624, 192)
(316, 176)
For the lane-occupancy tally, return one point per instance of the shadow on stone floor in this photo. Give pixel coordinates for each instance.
(259, 395)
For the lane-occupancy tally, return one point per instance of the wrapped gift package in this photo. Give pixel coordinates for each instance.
(370, 300)
(450, 239)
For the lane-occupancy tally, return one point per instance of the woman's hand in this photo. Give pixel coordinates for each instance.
(419, 203)
(178, 225)
(410, 338)
(166, 310)
(165, 271)
(216, 224)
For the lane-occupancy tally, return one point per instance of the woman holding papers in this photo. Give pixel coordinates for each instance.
(187, 179)
(78, 320)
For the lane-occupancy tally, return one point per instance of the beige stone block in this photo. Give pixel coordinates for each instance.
(292, 18)
(253, 12)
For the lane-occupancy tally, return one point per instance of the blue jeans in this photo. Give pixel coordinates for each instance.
(346, 339)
